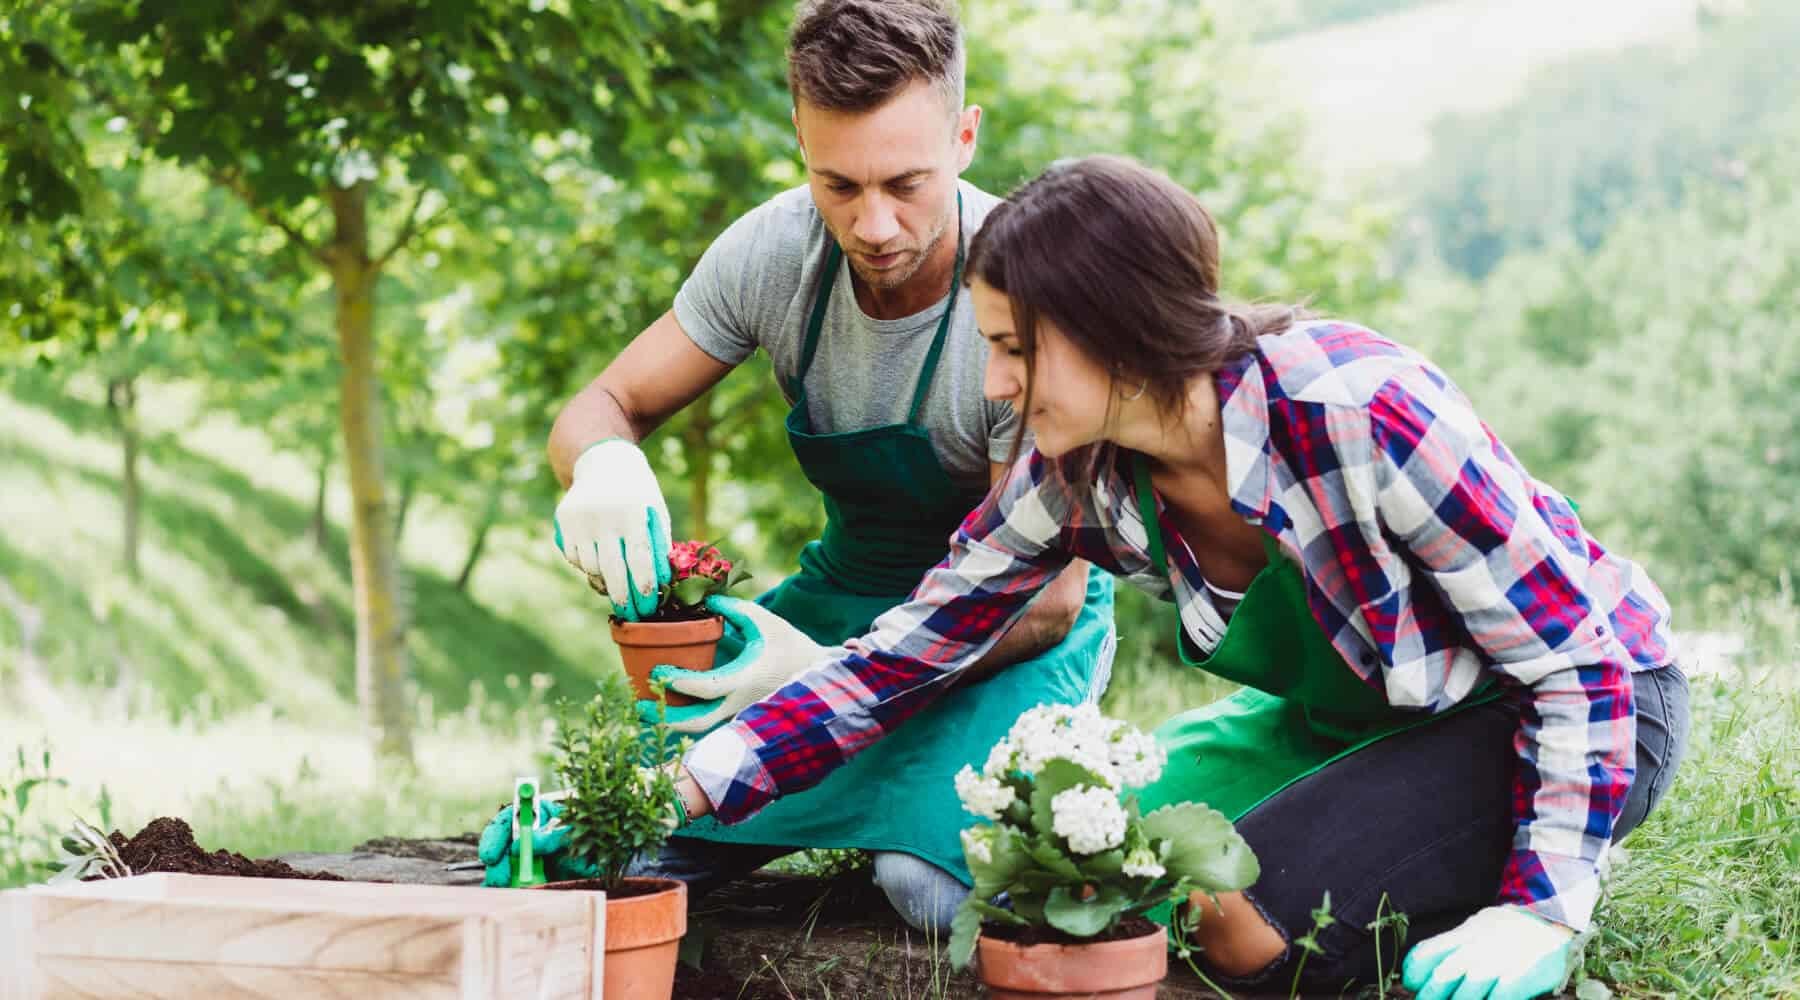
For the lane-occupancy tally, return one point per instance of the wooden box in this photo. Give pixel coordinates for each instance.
(187, 936)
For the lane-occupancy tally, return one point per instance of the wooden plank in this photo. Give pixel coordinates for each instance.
(176, 929)
(17, 956)
(116, 979)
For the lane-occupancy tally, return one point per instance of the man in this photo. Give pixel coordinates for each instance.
(852, 285)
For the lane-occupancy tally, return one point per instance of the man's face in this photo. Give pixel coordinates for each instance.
(885, 179)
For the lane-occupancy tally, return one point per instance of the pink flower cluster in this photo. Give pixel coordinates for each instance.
(688, 559)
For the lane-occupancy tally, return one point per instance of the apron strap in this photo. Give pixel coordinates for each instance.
(816, 322)
(943, 330)
(1146, 498)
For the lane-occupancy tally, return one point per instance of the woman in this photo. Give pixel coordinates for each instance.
(1456, 699)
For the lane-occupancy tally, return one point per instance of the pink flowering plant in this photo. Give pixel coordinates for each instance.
(1065, 840)
(698, 570)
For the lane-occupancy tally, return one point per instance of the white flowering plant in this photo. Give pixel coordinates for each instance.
(1065, 840)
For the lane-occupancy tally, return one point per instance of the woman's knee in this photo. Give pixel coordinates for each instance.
(1235, 935)
(924, 895)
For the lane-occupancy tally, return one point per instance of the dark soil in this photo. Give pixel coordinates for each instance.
(629, 888)
(167, 845)
(700, 984)
(675, 613)
(1130, 927)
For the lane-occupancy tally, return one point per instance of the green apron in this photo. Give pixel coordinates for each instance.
(890, 509)
(1301, 709)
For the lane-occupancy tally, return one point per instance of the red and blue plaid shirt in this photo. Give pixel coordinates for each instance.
(1430, 558)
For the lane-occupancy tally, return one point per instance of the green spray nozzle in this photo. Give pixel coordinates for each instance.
(527, 868)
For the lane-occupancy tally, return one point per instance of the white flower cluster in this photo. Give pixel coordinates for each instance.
(978, 844)
(984, 796)
(1142, 863)
(1118, 753)
(1089, 817)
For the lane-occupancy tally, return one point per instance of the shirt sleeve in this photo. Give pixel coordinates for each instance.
(714, 305)
(1000, 558)
(1464, 515)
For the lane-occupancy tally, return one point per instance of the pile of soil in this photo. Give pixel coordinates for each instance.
(167, 845)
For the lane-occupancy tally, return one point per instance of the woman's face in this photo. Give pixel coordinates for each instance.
(1070, 393)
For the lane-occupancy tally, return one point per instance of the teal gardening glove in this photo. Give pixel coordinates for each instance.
(761, 654)
(496, 853)
(1500, 953)
(613, 525)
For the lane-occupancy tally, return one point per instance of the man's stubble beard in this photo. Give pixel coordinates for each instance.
(893, 278)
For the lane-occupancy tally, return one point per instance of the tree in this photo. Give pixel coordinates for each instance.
(349, 129)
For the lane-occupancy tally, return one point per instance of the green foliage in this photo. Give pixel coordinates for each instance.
(1593, 142)
(1654, 378)
(621, 801)
(25, 839)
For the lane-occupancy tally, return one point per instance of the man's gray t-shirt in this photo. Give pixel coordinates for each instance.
(754, 288)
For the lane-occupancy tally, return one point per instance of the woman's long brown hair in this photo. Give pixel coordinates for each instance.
(1125, 262)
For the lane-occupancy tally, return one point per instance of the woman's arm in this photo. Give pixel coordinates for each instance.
(1000, 558)
(1464, 516)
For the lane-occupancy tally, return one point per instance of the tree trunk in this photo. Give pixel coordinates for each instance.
(374, 573)
(121, 402)
(697, 445)
(488, 517)
(318, 515)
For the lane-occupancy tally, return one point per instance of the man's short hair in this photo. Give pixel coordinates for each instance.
(854, 55)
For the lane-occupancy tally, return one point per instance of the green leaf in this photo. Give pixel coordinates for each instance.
(1045, 852)
(965, 927)
(1084, 917)
(1009, 856)
(690, 591)
(1106, 864)
(1202, 846)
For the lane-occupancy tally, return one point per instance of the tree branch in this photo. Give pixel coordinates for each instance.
(407, 229)
(234, 182)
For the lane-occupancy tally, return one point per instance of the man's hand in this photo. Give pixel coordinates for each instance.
(1500, 953)
(614, 526)
(496, 854)
(773, 653)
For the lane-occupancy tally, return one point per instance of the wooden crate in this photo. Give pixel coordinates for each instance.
(188, 936)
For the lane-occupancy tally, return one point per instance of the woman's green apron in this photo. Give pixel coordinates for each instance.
(890, 509)
(1301, 708)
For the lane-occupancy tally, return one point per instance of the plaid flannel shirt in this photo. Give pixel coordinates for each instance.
(1430, 559)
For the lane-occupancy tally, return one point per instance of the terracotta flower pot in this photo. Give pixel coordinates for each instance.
(644, 645)
(643, 935)
(1106, 970)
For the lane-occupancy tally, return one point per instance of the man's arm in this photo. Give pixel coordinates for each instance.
(656, 375)
(1046, 621)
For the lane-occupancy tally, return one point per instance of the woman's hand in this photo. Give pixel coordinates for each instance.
(1500, 953)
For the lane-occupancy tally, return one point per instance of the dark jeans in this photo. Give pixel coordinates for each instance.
(1420, 824)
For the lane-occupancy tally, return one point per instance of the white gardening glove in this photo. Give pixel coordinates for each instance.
(614, 526)
(1500, 953)
(773, 653)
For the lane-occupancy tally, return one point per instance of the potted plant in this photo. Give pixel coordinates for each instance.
(1080, 866)
(681, 631)
(621, 802)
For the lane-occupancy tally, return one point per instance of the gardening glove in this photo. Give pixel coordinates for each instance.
(1500, 953)
(496, 854)
(769, 653)
(614, 526)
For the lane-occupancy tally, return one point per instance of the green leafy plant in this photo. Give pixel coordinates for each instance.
(1065, 842)
(698, 570)
(622, 799)
(17, 841)
(86, 851)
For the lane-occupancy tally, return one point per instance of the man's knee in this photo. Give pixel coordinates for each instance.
(924, 895)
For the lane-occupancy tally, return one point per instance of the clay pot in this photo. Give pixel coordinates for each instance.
(643, 935)
(1106, 970)
(644, 645)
